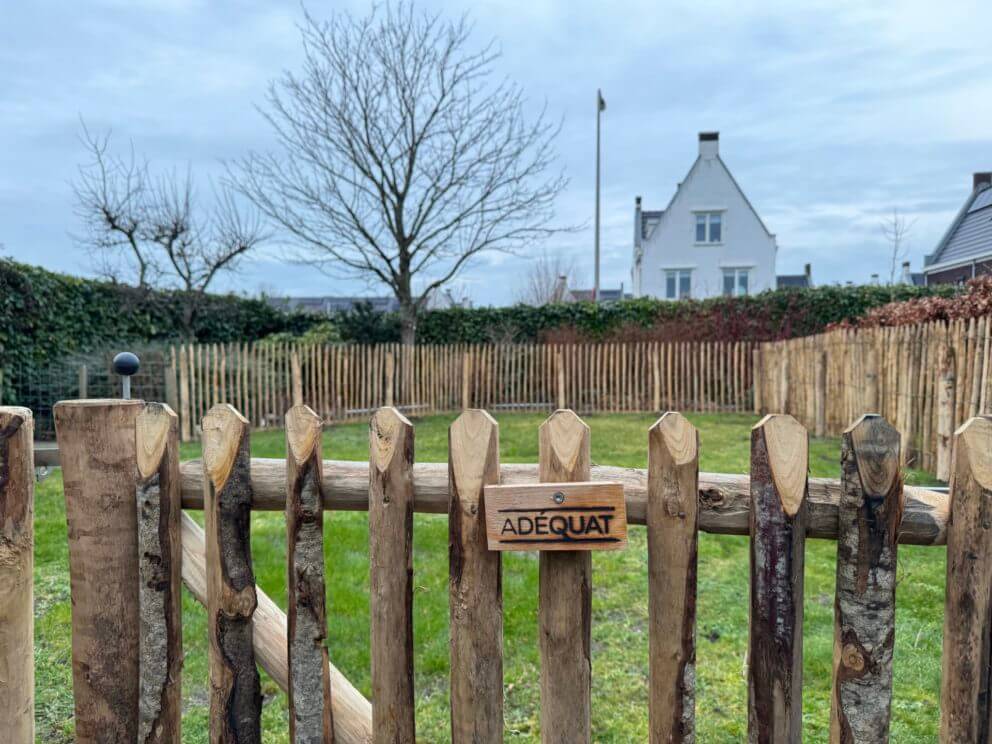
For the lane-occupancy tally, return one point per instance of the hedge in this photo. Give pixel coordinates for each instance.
(771, 315)
(45, 316)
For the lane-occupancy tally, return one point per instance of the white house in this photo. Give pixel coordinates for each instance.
(708, 241)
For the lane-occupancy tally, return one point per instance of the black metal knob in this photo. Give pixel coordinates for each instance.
(126, 364)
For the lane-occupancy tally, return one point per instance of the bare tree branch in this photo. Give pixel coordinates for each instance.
(151, 230)
(399, 157)
(547, 280)
(895, 229)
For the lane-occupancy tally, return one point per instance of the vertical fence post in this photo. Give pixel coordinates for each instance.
(869, 515)
(156, 438)
(964, 700)
(466, 381)
(779, 463)
(390, 377)
(297, 378)
(474, 586)
(235, 689)
(565, 609)
(391, 576)
(673, 492)
(820, 394)
(945, 410)
(83, 381)
(16, 575)
(310, 717)
(96, 448)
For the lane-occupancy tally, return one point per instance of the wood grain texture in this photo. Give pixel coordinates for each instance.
(964, 701)
(310, 710)
(724, 499)
(156, 440)
(390, 502)
(475, 589)
(673, 486)
(235, 689)
(16, 575)
(565, 602)
(779, 456)
(99, 471)
(864, 605)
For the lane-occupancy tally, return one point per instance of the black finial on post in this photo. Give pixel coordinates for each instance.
(126, 364)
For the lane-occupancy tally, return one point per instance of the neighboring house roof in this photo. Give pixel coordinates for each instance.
(792, 281)
(329, 305)
(970, 234)
(918, 279)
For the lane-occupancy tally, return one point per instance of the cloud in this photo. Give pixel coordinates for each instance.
(831, 113)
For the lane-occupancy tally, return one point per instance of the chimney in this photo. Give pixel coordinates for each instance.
(560, 289)
(874, 278)
(709, 144)
(981, 180)
(907, 275)
(638, 227)
(808, 271)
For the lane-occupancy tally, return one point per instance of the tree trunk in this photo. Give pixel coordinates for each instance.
(408, 322)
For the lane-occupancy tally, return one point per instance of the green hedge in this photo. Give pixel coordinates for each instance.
(45, 316)
(767, 316)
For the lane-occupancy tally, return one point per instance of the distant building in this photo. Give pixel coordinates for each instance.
(331, 305)
(965, 251)
(708, 241)
(796, 281)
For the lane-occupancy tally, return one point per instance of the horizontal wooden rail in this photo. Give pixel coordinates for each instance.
(724, 500)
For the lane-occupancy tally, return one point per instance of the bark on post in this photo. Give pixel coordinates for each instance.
(964, 700)
(156, 439)
(391, 575)
(310, 717)
(474, 584)
(673, 488)
(864, 609)
(96, 446)
(565, 609)
(235, 690)
(779, 463)
(16, 575)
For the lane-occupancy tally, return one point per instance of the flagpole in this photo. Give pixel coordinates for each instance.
(599, 110)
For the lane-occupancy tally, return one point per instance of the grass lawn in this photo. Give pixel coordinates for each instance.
(619, 628)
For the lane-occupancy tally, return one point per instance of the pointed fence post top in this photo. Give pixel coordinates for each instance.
(473, 445)
(674, 432)
(787, 445)
(303, 429)
(151, 435)
(875, 444)
(973, 441)
(563, 441)
(223, 428)
(387, 428)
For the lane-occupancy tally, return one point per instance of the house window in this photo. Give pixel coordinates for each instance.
(736, 282)
(678, 284)
(709, 227)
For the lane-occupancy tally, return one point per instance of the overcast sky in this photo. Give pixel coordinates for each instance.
(829, 116)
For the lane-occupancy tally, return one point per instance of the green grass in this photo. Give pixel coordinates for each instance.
(619, 604)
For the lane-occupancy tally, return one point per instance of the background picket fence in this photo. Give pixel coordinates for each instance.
(926, 379)
(345, 382)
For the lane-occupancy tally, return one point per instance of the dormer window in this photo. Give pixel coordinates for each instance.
(709, 227)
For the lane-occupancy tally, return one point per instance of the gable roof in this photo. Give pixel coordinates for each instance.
(699, 158)
(970, 234)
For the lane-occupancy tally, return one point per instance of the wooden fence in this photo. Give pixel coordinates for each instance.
(129, 544)
(927, 379)
(345, 382)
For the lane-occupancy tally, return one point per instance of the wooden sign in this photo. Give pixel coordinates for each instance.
(556, 516)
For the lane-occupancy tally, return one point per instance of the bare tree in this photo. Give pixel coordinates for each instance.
(895, 229)
(547, 280)
(150, 231)
(399, 158)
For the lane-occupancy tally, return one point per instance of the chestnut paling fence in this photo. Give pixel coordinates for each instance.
(131, 548)
(348, 381)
